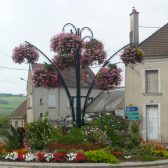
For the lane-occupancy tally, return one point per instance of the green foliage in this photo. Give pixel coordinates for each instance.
(74, 136)
(4, 123)
(145, 152)
(114, 130)
(165, 154)
(146, 149)
(13, 139)
(100, 156)
(13, 102)
(147, 158)
(41, 133)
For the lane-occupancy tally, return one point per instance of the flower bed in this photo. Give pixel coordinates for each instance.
(90, 156)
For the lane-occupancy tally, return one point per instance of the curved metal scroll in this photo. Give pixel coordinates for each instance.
(60, 77)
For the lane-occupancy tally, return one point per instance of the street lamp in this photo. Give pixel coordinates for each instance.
(77, 56)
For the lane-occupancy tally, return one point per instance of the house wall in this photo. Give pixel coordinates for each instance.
(20, 122)
(61, 109)
(135, 93)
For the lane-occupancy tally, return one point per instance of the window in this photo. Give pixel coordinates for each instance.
(16, 124)
(41, 101)
(41, 115)
(151, 81)
(30, 102)
(51, 101)
(22, 123)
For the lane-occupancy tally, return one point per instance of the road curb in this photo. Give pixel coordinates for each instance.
(80, 165)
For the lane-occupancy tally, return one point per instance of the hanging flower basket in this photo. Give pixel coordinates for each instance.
(132, 56)
(63, 62)
(93, 51)
(66, 44)
(108, 77)
(45, 78)
(25, 53)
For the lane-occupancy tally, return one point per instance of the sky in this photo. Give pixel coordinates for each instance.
(36, 21)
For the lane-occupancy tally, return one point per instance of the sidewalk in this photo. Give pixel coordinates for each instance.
(81, 165)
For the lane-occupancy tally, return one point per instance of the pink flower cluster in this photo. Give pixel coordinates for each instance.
(93, 50)
(66, 43)
(45, 78)
(25, 53)
(108, 77)
(63, 62)
(132, 56)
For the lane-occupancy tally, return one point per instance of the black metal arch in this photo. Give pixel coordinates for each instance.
(69, 24)
(94, 80)
(60, 77)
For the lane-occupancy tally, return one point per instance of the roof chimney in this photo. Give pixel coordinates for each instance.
(134, 27)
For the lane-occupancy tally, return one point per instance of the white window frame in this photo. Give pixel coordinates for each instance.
(51, 101)
(144, 80)
(145, 120)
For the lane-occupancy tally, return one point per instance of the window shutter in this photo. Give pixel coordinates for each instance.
(51, 101)
(151, 81)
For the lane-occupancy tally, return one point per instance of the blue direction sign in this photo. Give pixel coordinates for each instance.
(132, 113)
(132, 108)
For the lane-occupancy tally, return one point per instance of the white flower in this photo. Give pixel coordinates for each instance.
(71, 156)
(127, 157)
(11, 156)
(29, 157)
(48, 156)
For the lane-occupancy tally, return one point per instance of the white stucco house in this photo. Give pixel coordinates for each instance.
(146, 85)
(55, 101)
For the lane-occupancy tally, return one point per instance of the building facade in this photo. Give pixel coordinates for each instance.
(55, 101)
(146, 85)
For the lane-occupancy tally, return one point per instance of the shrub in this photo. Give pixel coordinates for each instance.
(40, 134)
(100, 156)
(147, 157)
(95, 135)
(14, 139)
(115, 130)
(73, 136)
(146, 149)
(165, 154)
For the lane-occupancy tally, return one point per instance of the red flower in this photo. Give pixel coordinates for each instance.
(80, 157)
(40, 156)
(20, 157)
(60, 156)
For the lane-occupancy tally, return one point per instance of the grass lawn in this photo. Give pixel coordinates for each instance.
(13, 103)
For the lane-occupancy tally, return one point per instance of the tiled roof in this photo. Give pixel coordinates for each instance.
(156, 44)
(69, 76)
(20, 111)
(107, 101)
